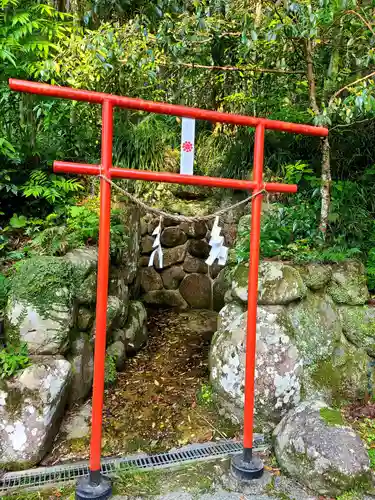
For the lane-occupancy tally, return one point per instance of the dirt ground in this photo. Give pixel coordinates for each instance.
(162, 399)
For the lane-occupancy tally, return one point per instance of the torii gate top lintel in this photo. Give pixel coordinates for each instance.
(246, 465)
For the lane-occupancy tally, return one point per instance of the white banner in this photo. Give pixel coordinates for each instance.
(187, 146)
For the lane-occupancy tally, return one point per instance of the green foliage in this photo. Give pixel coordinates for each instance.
(4, 288)
(205, 395)
(110, 375)
(12, 359)
(41, 280)
(351, 495)
(370, 268)
(366, 429)
(79, 227)
(331, 417)
(51, 187)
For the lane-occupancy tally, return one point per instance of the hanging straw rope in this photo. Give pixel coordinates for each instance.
(180, 218)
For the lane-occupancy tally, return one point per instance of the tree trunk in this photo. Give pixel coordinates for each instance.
(311, 77)
(325, 189)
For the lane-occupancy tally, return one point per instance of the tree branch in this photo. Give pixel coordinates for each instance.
(366, 23)
(345, 125)
(238, 68)
(336, 94)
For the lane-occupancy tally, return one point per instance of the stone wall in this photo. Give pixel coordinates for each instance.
(185, 281)
(51, 308)
(315, 338)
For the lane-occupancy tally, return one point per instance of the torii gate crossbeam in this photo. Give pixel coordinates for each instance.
(245, 466)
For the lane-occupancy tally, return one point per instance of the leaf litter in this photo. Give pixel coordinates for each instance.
(153, 406)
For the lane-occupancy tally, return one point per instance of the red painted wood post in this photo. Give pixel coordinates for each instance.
(102, 298)
(247, 466)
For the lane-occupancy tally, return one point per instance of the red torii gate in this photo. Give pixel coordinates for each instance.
(245, 466)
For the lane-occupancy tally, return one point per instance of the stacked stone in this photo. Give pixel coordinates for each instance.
(315, 352)
(185, 279)
(60, 342)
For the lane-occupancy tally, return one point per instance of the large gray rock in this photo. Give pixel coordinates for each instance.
(82, 362)
(85, 319)
(146, 244)
(228, 315)
(349, 284)
(134, 333)
(127, 257)
(168, 298)
(341, 378)
(220, 287)
(316, 276)
(172, 277)
(278, 371)
(195, 265)
(44, 332)
(118, 352)
(150, 279)
(86, 292)
(313, 446)
(199, 248)
(196, 289)
(77, 423)
(86, 259)
(278, 284)
(358, 324)
(172, 256)
(117, 285)
(115, 312)
(195, 230)
(31, 406)
(317, 327)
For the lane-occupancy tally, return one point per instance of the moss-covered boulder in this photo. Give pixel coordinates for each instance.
(220, 287)
(278, 283)
(84, 319)
(229, 314)
(316, 326)
(134, 333)
(86, 291)
(313, 446)
(278, 371)
(118, 353)
(40, 305)
(316, 276)
(358, 324)
(349, 284)
(84, 259)
(340, 378)
(31, 406)
(81, 358)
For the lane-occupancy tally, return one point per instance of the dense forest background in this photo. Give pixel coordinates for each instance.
(306, 61)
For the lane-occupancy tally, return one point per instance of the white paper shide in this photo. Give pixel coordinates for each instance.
(218, 250)
(157, 246)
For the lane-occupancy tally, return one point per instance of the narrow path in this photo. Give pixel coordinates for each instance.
(162, 399)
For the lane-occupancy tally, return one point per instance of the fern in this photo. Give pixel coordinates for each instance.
(50, 187)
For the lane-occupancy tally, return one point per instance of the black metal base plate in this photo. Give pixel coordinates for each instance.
(246, 471)
(90, 490)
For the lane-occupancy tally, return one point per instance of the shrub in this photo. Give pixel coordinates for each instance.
(13, 359)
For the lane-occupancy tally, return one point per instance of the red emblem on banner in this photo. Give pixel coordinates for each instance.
(187, 147)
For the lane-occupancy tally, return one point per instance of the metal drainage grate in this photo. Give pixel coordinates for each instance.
(63, 474)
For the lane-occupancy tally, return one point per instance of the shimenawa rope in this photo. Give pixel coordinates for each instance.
(181, 218)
